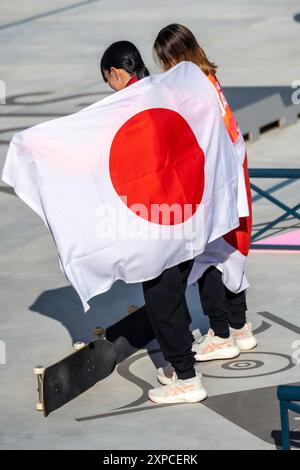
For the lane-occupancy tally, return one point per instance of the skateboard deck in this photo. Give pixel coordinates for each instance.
(70, 377)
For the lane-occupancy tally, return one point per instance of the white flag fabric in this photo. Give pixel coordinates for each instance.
(229, 253)
(133, 184)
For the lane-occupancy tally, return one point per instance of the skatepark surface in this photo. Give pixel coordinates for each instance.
(50, 66)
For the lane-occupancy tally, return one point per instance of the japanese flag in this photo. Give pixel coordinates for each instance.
(133, 184)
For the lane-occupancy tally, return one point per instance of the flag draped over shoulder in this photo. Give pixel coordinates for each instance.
(229, 253)
(133, 184)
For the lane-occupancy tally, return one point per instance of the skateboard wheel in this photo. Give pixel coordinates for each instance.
(78, 345)
(38, 370)
(132, 308)
(99, 331)
(39, 407)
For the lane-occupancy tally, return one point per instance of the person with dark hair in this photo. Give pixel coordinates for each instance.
(122, 64)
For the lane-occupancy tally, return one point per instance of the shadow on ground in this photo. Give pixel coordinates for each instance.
(64, 306)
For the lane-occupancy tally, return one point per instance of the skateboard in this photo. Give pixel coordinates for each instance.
(89, 363)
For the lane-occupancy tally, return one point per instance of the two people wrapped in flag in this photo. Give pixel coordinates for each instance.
(155, 190)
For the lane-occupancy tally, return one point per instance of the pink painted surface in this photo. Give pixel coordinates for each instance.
(289, 238)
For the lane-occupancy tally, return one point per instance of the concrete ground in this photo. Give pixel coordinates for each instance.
(49, 63)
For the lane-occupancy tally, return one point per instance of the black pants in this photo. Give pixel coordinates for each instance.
(170, 318)
(222, 306)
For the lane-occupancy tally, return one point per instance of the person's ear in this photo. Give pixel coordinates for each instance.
(114, 73)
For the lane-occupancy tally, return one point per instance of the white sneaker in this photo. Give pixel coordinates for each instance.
(210, 347)
(179, 391)
(244, 337)
(166, 375)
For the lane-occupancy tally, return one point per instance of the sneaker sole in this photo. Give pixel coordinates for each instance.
(165, 400)
(221, 354)
(246, 344)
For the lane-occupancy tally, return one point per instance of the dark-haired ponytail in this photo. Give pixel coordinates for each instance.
(123, 55)
(142, 72)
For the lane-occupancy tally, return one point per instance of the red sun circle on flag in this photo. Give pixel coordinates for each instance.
(157, 166)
